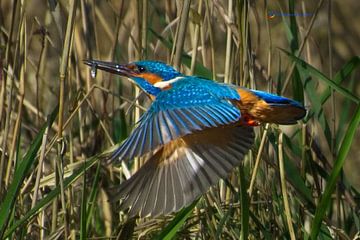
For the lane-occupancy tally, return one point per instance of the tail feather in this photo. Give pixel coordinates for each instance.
(269, 108)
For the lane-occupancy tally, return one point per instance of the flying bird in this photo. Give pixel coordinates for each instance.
(193, 134)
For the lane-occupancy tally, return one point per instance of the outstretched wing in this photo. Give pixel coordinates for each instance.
(191, 104)
(182, 170)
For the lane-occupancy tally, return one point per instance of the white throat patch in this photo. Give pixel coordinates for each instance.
(166, 84)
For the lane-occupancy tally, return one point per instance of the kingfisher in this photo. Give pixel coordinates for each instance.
(193, 134)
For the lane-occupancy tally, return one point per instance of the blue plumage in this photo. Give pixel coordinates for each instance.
(274, 99)
(165, 71)
(193, 91)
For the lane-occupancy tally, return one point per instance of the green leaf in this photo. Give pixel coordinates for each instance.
(245, 206)
(292, 33)
(292, 173)
(316, 106)
(316, 73)
(297, 182)
(21, 172)
(342, 74)
(51, 196)
(92, 197)
(331, 183)
(294, 43)
(345, 115)
(171, 229)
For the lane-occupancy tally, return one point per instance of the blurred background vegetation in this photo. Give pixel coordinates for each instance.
(297, 182)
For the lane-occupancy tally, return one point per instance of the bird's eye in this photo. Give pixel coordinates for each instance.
(141, 69)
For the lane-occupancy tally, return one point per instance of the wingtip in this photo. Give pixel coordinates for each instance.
(290, 115)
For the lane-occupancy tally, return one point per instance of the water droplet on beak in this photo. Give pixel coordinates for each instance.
(93, 70)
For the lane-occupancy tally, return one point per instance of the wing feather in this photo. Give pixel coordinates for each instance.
(182, 170)
(152, 195)
(178, 186)
(214, 114)
(161, 197)
(170, 190)
(187, 107)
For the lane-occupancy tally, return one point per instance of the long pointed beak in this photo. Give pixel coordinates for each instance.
(120, 69)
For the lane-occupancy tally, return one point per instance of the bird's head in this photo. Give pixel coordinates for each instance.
(151, 76)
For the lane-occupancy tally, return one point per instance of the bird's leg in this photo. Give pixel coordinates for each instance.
(248, 120)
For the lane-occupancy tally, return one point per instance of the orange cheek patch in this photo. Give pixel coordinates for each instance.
(150, 77)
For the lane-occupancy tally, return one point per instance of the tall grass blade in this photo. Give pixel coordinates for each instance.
(316, 106)
(342, 74)
(51, 196)
(92, 197)
(322, 77)
(297, 86)
(245, 205)
(173, 227)
(331, 182)
(22, 170)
